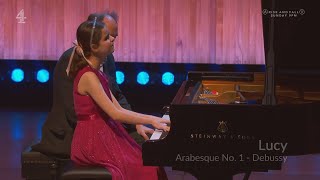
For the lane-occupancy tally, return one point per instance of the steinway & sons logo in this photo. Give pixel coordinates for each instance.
(223, 133)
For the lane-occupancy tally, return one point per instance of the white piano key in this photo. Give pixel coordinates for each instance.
(166, 116)
(157, 133)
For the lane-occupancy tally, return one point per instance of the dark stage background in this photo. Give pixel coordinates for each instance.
(150, 97)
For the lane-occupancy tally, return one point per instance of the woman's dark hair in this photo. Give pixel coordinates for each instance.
(102, 15)
(84, 32)
(99, 16)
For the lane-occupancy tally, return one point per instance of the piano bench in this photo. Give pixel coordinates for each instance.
(37, 166)
(86, 172)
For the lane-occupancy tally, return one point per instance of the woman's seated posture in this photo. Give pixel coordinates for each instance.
(99, 138)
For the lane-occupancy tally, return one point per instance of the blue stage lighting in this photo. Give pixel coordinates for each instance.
(42, 75)
(167, 78)
(17, 75)
(119, 77)
(17, 132)
(143, 78)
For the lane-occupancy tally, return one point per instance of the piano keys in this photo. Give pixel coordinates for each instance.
(159, 134)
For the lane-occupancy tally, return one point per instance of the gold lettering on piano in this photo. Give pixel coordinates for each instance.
(222, 127)
(220, 136)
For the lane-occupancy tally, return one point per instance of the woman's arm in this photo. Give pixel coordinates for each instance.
(118, 106)
(89, 84)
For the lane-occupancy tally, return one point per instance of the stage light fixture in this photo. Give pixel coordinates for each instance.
(167, 78)
(17, 75)
(42, 75)
(143, 78)
(119, 77)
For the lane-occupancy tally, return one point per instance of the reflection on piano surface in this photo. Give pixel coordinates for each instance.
(219, 126)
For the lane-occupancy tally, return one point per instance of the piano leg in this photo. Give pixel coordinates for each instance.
(205, 175)
(247, 175)
(209, 174)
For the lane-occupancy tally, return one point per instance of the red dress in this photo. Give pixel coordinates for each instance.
(98, 140)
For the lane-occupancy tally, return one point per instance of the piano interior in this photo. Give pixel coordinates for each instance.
(244, 92)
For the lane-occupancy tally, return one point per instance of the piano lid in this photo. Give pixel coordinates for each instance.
(296, 37)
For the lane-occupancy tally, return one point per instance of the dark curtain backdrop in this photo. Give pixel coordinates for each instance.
(178, 31)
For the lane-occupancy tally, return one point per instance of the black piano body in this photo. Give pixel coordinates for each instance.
(219, 125)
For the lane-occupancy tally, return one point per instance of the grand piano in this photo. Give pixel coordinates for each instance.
(224, 123)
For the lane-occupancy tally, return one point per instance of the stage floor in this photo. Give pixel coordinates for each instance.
(19, 128)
